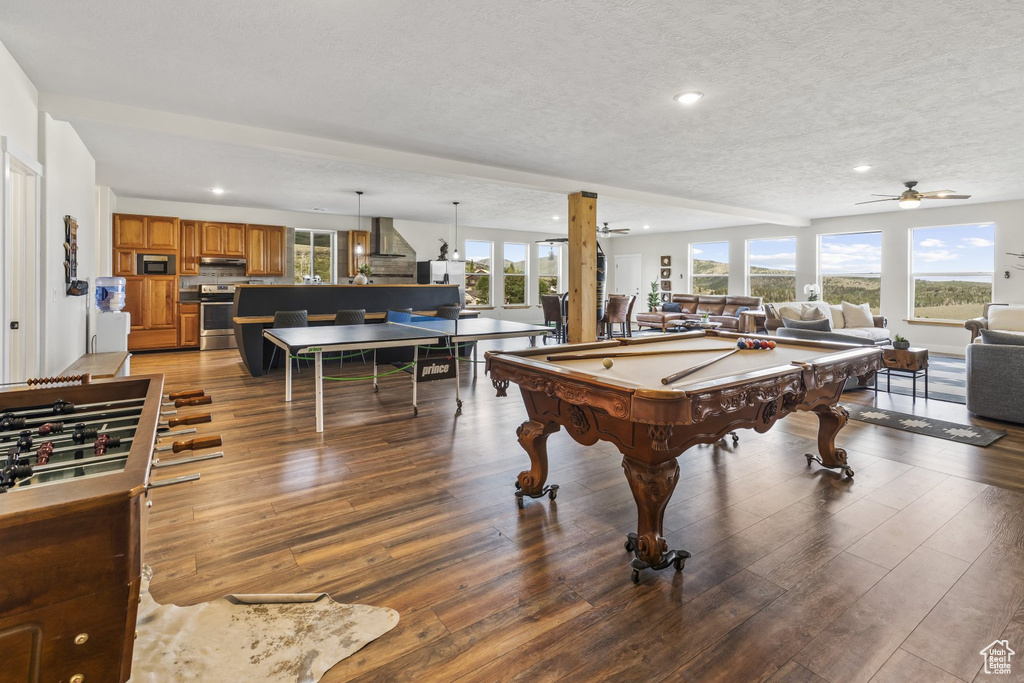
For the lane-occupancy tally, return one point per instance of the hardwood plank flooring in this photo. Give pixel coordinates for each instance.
(797, 574)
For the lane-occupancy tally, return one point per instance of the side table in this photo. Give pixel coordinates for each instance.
(912, 362)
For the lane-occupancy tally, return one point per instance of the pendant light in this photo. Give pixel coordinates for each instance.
(455, 254)
(359, 222)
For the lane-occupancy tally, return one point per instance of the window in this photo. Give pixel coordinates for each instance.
(478, 273)
(516, 258)
(549, 269)
(952, 270)
(771, 269)
(314, 256)
(709, 268)
(851, 268)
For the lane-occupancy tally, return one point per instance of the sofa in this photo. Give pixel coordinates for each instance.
(995, 364)
(804, 311)
(976, 325)
(720, 309)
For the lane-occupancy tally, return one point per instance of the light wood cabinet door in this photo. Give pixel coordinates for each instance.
(129, 231)
(134, 301)
(159, 295)
(255, 250)
(188, 325)
(162, 233)
(211, 239)
(234, 240)
(124, 262)
(358, 250)
(189, 248)
(274, 243)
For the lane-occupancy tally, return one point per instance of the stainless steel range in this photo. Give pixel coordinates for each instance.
(216, 310)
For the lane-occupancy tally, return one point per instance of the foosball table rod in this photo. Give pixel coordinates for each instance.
(158, 463)
(84, 378)
(93, 417)
(172, 482)
(62, 407)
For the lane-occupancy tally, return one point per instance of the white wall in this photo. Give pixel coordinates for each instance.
(1007, 216)
(19, 114)
(69, 188)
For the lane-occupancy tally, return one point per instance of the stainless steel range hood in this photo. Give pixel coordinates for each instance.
(383, 238)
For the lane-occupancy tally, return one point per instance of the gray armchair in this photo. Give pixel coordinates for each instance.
(976, 325)
(994, 374)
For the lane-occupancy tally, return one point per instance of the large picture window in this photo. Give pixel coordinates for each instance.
(549, 269)
(709, 268)
(478, 273)
(313, 256)
(952, 270)
(517, 256)
(851, 268)
(771, 269)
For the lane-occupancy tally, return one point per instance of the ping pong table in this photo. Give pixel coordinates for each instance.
(316, 341)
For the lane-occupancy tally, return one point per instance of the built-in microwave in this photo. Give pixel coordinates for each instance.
(154, 264)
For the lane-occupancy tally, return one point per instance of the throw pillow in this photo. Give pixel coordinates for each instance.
(838, 321)
(671, 307)
(821, 325)
(1006, 318)
(858, 316)
(811, 312)
(789, 311)
(1001, 337)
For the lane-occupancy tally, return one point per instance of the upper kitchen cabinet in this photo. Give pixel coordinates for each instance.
(156, 233)
(222, 239)
(358, 250)
(264, 250)
(188, 264)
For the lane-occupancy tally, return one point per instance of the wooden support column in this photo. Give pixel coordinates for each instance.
(582, 311)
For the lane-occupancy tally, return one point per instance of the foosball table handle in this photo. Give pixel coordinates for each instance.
(190, 420)
(196, 444)
(187, 393)
(196, 401)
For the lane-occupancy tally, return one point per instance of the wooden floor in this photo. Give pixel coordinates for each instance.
(797, 574)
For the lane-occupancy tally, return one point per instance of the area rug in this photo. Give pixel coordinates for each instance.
(951, 431)
(947, 380)
(287, 638)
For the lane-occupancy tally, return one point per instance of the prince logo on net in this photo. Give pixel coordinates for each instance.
(997, 657)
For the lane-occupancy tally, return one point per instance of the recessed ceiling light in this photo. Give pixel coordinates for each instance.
(647, 227)
(554, 218)
(863, 168)
(688, 97)
(217, 190)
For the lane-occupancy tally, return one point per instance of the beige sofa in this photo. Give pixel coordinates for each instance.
(720, 309)
(976, 325)
(877, 334)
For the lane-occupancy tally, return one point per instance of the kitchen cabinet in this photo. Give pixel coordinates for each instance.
(264, 250)
(153, 233)
(222, 239)
(358, 250)
(152, 302)
(188, 264)
(124, 262)
(188, 325)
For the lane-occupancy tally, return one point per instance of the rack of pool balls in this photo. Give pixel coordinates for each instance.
(761, 344)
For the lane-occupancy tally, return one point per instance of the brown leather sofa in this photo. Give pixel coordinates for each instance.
(720, 309)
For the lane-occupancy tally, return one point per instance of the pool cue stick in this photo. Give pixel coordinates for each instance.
(695, 368)
(624, 354)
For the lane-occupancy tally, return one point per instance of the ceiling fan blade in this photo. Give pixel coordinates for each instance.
(950, 196)
(621, 231)
(891, 196)
(932, 193)
(874, 201)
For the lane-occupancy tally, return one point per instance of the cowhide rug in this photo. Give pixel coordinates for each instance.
(287, 638)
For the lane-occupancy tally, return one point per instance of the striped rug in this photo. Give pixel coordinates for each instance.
(947, 380)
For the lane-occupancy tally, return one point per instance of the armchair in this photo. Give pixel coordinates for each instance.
(976, 325)
(993, 381)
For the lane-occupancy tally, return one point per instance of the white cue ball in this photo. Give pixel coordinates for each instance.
(607, 362)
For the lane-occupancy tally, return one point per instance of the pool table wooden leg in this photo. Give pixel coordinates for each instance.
(652, 487)
(830, 420)
(533, 437)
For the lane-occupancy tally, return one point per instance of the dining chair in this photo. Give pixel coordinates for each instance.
(351, 316)
(288, 319)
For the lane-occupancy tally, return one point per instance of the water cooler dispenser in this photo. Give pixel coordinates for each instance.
(112, 324)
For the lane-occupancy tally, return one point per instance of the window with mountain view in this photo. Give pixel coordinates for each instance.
(549, 269)
(771, 269)
(516, 258)
(313, 256)
(851, 268)
(952, 270)
(478, 273)
(709, 268)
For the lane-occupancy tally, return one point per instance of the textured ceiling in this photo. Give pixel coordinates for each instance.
(797, 93)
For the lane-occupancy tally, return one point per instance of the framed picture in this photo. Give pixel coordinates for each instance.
(666, 285)
(666, 297)
(666, 261)
(666, 273)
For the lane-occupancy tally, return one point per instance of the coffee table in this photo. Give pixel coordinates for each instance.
(694, 324)
(912, 362)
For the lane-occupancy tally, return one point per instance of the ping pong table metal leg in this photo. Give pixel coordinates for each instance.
(318, 362)
(375, 388)
(458, 399)
(476, 345)
(287, 375)
(415, 363)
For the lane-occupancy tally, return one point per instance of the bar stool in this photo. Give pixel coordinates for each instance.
(350, 316)
(288, 319)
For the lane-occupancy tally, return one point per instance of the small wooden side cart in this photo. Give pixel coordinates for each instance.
(912, 362)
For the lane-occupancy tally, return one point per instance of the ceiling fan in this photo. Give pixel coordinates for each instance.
(911, 198)
(605, 230)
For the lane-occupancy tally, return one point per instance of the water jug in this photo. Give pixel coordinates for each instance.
(110, 293)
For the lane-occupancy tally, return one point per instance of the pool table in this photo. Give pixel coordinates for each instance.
(652, 423)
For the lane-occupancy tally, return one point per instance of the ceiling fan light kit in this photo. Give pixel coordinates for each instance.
(911, 198)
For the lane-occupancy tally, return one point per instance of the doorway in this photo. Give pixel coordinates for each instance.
(627, 276)
(19, 268)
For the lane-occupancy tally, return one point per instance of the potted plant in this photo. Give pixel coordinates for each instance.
(900, 342)
(363, 276)
(653, 298)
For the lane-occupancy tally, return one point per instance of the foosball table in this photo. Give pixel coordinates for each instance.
(75, 466)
